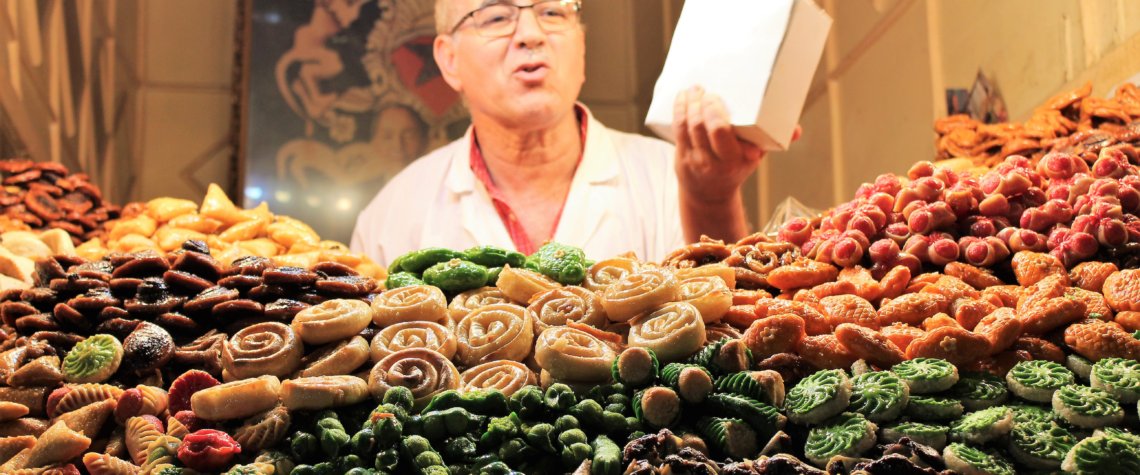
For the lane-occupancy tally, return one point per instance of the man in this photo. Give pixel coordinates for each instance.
(536, 166)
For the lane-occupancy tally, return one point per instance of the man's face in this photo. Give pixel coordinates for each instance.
(527, 80)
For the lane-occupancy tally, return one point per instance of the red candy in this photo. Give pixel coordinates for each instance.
(208, 450)
(186, 385)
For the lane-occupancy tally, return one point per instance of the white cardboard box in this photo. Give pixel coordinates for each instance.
(759, 56)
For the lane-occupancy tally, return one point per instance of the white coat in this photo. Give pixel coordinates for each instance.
(623, 197)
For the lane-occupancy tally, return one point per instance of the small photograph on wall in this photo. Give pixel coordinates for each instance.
(343, 94)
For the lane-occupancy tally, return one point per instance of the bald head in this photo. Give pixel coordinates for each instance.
(444, 16)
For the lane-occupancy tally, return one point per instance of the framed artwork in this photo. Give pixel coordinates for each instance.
(341, 95)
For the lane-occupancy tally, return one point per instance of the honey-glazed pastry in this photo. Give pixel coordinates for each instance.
(425, 372)
(342, 357)
(503, 376)
(103, 464)
(557, 306)
(673, 331)
(236, 400)
(401, 336)
(76, 396)
(718, 270)
(710, 295)
(640, 292)
(412, 303)
(494, 332)
(607, 271)
(264, 430)
(88, 420)
(570, 354)
(520, 285)
(323, 392)
(10, 411)
(56, 445)
(470, 300)
(264, 348)
(140, 432)
(333, 320)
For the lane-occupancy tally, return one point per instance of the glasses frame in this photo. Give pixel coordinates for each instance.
(577, 4)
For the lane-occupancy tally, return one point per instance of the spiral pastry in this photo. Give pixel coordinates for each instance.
(401, 336)
(520, 285)
(264, 430)
(673, 331)
(606, 272)
(505, 376)
(332, 359)
(470, 300)
(848, 435)
(495, 332)
(1086, 407)
(879, 395)
(425, 372)
(569, 354)
(963, 458)
(982, 426)
(557, 306)
(640, 292)
(263, 348)
(709, 294)
(1119, 376)
(412, 303)
(333, 320)
(1037, 380)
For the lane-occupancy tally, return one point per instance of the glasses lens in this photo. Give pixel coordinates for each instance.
(555, 15)
(495, 20)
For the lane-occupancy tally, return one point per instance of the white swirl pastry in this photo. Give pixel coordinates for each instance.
(470, 300)
(710, 295)
(494, 332)
(555, 307)
(639, 292)
(424, 303)
(505, 376)
(673, 331)
(574, 355)
(402, 336)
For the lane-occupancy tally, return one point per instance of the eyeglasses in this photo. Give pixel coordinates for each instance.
(501, 19)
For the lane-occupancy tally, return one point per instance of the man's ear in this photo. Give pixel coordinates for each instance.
(447, 60)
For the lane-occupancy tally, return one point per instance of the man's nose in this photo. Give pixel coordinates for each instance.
(528, 33)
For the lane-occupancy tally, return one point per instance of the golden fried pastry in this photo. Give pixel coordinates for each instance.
(674, 331)
(494, 332)
(333, 320)
(520, 285)
(640, 292)
(424, 303)
(504, 376)
(425, 372)
(323, 392)
(559, 305)
(342, 357)
(237, 400)
(574, 355)
(402, 336)
(607, 271)
(710, 295)
(470, 300)
(264, 348)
